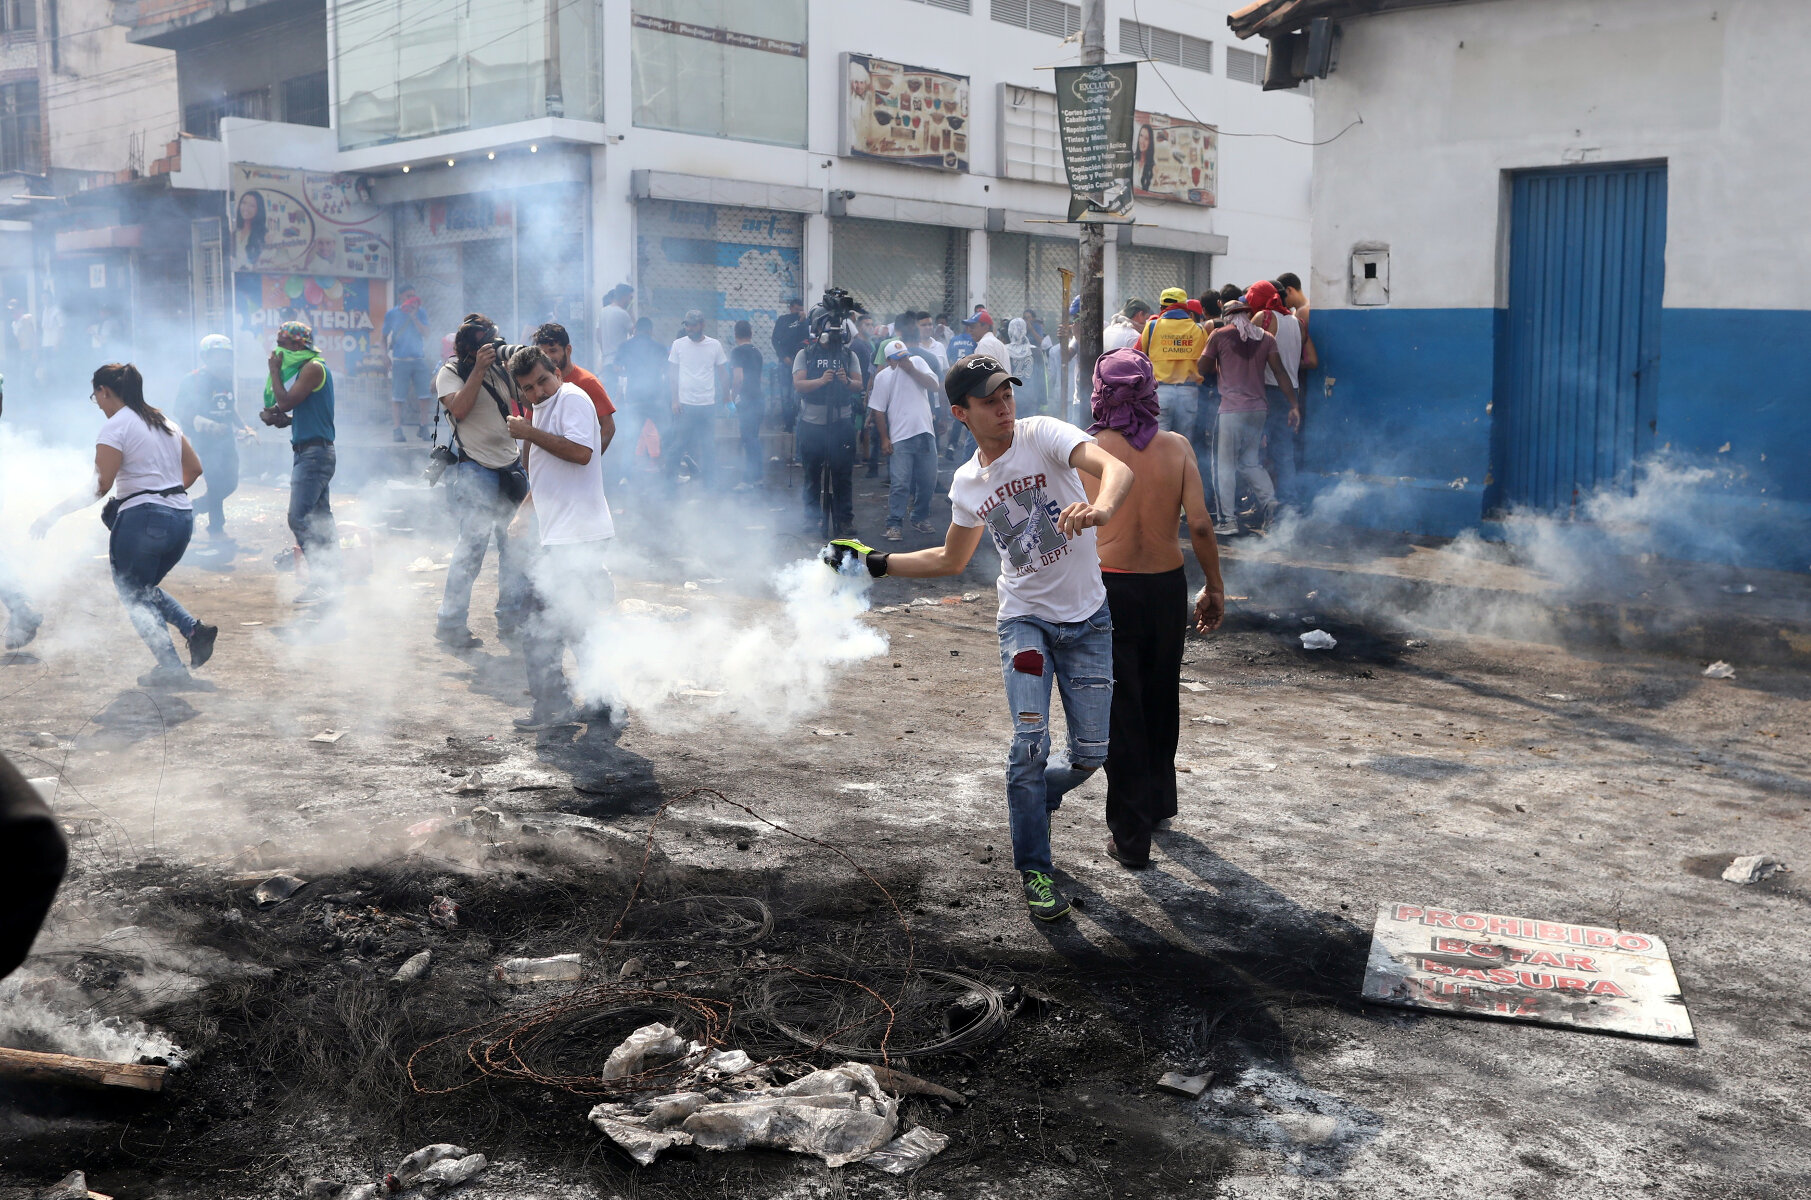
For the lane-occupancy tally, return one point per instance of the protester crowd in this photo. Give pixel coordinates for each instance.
(1196, 409)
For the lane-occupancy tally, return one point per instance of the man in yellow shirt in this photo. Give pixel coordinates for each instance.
(1173, 342)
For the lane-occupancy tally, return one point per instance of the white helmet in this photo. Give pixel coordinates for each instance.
(214, 343)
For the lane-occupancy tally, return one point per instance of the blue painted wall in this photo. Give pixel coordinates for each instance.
(1401, 406)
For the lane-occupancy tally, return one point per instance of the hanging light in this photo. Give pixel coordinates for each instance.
(533, 149)
(405, 168)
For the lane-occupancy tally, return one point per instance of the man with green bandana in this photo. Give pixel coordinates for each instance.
(299, 394)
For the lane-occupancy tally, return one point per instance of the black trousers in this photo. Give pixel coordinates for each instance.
(833, 443)
(1150, 622)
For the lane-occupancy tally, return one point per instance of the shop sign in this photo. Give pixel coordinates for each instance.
(1094, 108)
(1175, 160)
(904, 114)
(1549, 972)
(316, 222)
(345, 314)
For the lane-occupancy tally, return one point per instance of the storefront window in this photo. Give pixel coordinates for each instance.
(721, 68)
(415, 68)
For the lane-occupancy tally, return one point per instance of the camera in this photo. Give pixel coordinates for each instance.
(832, 321)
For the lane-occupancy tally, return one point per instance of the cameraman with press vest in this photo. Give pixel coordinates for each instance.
(485, 482)
(827, 375)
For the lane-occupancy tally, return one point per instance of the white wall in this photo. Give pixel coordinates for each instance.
(1453, 97)
(106, 90)
(1263, 209)
(1263, 212)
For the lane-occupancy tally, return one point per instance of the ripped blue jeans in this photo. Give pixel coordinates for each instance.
(1078, 657)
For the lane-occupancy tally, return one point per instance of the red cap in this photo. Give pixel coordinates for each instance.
(1194, 306)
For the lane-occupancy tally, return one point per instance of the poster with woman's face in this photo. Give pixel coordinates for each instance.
(308, 221)
(1176, 160)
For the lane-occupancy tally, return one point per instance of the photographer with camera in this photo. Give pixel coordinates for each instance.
(828, 378)
(485, 482)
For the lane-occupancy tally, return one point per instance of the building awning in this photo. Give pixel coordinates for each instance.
(108, 237)
(1273, 18)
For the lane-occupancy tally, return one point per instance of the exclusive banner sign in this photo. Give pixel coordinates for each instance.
(1485, 964)
(1094, 108)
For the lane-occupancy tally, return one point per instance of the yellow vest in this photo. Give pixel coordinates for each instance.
(1173, 344)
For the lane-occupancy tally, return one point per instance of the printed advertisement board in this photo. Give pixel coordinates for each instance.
(1094, 124)
(1485, 964)
(1175, 160)
(904, 114)
(308, 221)
(345, 314)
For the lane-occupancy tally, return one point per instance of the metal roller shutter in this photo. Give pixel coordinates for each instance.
(1144, 272)
(1022, 273)
(732, 264)
(889, 266)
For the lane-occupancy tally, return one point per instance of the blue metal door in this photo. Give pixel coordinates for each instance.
(1575, 401)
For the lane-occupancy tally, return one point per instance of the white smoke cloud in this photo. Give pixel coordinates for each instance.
(729, 660)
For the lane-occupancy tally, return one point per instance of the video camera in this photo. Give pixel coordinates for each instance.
(832, 319)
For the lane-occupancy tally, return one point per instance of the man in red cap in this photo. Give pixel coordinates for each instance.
(1269, 313)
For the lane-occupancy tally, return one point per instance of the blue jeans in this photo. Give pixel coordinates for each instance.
(220, 471)
(147, 541)
(1280, 440)
(1176, 407)
(912, 475)
(311, 510)
(1079, 658)
(694, 435)
(483, 512)
(571, 590)
(754, 458)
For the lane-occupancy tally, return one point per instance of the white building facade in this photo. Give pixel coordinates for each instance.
(532, 157)
(1561, 249)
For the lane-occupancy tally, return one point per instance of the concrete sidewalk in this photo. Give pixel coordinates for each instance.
(1649, 604)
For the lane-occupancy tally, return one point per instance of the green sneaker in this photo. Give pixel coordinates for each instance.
(1042, 898)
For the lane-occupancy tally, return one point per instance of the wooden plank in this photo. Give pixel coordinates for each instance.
(64, 1069)
(911, 1085)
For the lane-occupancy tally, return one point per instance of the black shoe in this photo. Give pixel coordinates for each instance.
(1120, 857)
(540, 719)
(460, 638)
(201, 644)
(21, 627)
(397, 435)
(424, 433)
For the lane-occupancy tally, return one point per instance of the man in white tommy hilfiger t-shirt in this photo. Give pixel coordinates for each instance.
(1023, 485)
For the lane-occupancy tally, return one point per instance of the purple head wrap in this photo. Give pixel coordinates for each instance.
(1125, 396)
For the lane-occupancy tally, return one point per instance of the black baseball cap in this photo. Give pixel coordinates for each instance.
(976, 377)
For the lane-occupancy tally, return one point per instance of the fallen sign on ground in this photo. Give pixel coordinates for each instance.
(1547, 972)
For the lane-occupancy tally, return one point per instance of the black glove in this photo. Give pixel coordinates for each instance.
(844, 549)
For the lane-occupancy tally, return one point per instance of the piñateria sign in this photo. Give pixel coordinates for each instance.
(1489, 965)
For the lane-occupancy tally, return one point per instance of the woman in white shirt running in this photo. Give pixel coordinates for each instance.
(146, 461)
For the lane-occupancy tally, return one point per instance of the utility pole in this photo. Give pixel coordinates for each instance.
(1092, 319)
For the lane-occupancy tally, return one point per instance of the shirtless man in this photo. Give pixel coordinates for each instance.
(1147, 591)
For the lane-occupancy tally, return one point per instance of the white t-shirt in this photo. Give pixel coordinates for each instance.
(151, 459)
(1119, 335)
(1018, 496)
(902, 400)
(987, 343)
(697, 362)
(568, 498)
(1288, 333)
